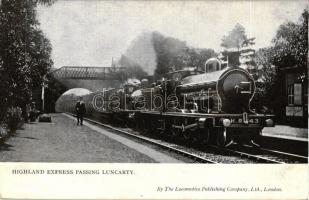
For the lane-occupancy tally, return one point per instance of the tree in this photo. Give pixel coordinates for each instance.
(199, 58)
(40, 51)
(267, 84)
(53, 91)
(192, 57)
(291, 43)
(289, 49)
(235, 38)
(24, 52)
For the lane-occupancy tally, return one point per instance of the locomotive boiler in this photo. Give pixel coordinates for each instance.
(210, 106)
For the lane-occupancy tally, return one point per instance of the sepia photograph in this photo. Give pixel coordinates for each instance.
(99, 88)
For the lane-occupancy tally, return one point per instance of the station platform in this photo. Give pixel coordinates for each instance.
(63, 141)
(286, 132)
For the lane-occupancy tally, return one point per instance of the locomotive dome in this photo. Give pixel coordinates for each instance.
(212, 64)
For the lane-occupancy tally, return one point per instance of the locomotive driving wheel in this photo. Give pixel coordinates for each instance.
(178, 129)
(144, 126)
(206, 136)
(156, 126)
(200, 136)
(222, 138)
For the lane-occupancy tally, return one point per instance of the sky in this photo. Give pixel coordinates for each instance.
(91, 33)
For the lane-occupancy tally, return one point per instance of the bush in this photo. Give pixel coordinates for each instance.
(14, 119)
(32, 115)
(3, 131)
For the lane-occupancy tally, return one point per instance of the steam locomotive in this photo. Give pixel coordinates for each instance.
(211, 106)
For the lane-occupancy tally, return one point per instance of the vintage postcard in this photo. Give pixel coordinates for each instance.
(154, 99)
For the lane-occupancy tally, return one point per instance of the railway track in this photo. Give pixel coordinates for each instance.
(293, 157)
(254, 157)
(210, 153)
(267, 155)
(208, 156)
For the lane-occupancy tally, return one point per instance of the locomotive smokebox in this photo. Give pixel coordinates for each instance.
(236, 88)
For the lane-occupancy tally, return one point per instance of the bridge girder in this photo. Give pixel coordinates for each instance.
(87, 73)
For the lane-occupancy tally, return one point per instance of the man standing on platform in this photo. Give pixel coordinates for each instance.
(80, 110)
